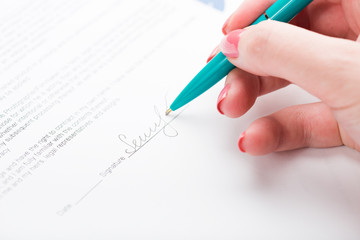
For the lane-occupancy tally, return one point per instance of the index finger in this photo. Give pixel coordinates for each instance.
(246, 14)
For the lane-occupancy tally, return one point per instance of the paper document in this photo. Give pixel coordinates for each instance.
(86, 151)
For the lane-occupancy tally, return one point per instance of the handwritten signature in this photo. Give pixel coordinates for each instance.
(160, 125)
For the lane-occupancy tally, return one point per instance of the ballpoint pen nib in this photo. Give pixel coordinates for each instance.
(168, 111)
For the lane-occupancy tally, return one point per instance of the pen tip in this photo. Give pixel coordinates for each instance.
(168, 111)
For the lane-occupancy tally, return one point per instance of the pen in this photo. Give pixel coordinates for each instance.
(219, 66)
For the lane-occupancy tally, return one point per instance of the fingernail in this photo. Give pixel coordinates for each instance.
(212, 54)
(240, 142)
(222, 96)
(229, 44)
(225, 25)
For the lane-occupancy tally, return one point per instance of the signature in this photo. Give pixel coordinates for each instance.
(160, 125)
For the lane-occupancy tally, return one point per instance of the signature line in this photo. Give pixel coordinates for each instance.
(98, 183)
(156, 133)
(88, 192)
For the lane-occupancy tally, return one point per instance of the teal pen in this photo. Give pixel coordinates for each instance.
(219, 66)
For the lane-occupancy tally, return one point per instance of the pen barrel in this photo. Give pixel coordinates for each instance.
(219, 66)
(283, 10)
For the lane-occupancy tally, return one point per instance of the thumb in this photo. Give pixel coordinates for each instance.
(324, 66)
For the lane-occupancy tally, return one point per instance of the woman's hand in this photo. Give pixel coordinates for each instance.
(324, 61)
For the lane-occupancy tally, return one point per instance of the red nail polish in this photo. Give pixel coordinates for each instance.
(229, 44)
(222, 96)
(240, 142)
(225, 25)
(212, 54)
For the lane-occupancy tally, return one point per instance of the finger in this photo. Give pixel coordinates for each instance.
(213, 53)
(246, 14)
(326, 67)
(242, 90)
(239, 94)
(310, 125)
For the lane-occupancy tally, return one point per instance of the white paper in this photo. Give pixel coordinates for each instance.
(87, 153)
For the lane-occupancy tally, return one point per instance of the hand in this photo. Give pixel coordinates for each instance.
(324, 61)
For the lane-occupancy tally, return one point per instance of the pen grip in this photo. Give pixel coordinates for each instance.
(213, 72)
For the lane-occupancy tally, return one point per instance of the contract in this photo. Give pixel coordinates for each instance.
(86, 151)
